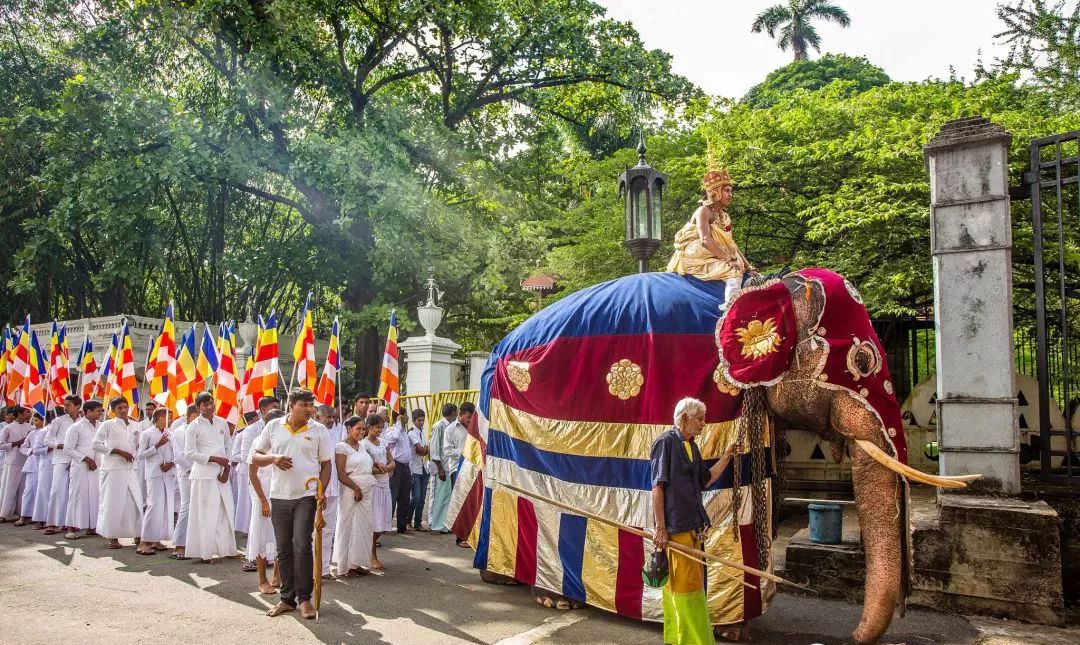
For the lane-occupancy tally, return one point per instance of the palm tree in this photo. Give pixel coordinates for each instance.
(793, 23)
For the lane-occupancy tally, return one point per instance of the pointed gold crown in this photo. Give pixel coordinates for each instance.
(715, 177)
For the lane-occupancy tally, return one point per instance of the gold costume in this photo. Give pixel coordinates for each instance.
(692, 258)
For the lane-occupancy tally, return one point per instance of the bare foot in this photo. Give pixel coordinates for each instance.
(376, 565)
(267, 589)
(279, 609)
(307, 610)
(734, 633)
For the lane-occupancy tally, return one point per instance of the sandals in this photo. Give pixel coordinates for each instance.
(177, 556)
(115, 546)
(141, 552)
(249, 567)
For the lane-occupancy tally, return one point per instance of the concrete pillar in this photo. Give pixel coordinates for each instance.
(971, 243)
(477, 363)
(429, 364)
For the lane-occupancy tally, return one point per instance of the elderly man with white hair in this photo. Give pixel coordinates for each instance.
(679, 477)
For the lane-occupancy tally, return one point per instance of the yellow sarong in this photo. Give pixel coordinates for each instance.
(692, 258)
(686, 613)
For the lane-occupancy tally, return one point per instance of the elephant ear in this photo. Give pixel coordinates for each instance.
(757, 335)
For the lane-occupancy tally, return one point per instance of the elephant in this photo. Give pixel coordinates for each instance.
(793, 351)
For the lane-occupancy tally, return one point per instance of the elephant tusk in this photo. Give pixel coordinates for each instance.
(941, 481)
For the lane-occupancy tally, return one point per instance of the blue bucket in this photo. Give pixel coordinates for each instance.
(826, 523)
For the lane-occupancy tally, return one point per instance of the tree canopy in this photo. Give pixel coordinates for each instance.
(813, 75)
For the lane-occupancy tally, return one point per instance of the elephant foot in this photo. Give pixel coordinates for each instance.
(733, 633)
(554, 601)
(493, 578)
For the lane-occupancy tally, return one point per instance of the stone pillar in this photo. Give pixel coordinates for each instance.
(971, 243)
(477, 363)
(429, 361)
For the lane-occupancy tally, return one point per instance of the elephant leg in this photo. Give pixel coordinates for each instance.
(493, 578)
(877, 500)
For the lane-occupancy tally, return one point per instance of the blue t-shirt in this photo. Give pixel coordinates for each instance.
(683, 478)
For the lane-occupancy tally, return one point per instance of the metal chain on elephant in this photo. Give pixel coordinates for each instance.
(752, 434)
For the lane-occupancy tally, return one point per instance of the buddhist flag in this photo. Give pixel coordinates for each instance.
(20, 368)
(208, 362)
(304, 367)
(5, 364)
(226, 386)
(59, 387)
(185, 372)
(34, 382)
(389, 383)
(123, 382)
(264, 373)
(162, 363)
(88, 367)
(108, 371)
(327, 390)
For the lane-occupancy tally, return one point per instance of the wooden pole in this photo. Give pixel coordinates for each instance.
(685, 550)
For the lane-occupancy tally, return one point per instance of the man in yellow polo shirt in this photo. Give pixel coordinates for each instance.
(299, 450)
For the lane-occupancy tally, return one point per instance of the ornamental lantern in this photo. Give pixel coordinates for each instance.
(642, 189)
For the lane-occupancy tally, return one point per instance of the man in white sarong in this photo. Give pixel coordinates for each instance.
(246, 504)
(83, 486)
(61, 464)
(43, 455)
(143, 425)
(210, 523)
(183, 482)
(240, 478)
(261, 543)
(117, 441)
(29, 470)
(156, 455)
(12, 438)
(450, 448)
(327, 417)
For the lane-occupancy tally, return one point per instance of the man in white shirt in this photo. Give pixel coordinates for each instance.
(40, 452)
(443, 485)
(451, 447)
(12, 438)
(83, 487)
(61, 464)
(29, 470)
(299, 450)
(183, 482)
(397, 441)
(117, 441)
(242, 443)
(418, 466)
(158, 465)
(210, 523)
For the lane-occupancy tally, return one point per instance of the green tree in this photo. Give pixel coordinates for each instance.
(1044, 45)
(793, 23)
(813, 75)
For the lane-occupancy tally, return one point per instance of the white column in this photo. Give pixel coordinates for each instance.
(971, 243)
(477, 363)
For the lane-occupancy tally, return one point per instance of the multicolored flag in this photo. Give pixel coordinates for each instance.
(389, 381)
(226, 382)
(162, 363)
(108, 370)
(327, 390)
(207, 365)
(249, 396)
(304, 368)
(20, 362)
(124, 382)
(264, 373)
(185, 372)
(88, 367)
(34, 381)
(5, 364)
(59, 385)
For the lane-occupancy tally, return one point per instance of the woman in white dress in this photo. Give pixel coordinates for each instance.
(261, 542)
(380, 494)
(353, 538)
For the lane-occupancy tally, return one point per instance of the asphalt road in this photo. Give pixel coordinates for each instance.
(58, 591)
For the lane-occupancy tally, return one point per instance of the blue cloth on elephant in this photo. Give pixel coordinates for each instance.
(684, 478)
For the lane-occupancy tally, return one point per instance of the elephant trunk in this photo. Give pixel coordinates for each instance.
(877, 492)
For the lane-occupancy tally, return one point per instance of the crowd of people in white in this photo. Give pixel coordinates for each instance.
(197, 482)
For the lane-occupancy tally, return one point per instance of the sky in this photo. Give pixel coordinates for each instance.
(711, 43)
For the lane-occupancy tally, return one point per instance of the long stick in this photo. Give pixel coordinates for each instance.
(647, 535)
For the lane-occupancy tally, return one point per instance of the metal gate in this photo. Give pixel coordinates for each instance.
(1053, 183)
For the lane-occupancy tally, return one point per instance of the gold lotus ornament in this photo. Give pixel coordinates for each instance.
(725, 386)
(759, 338)
(518, 371)
(625, 379)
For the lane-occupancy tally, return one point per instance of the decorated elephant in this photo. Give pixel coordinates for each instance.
(572, 400)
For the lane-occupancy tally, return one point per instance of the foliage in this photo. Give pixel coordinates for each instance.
(814, 75)
(794, 24)
(1044, 42)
